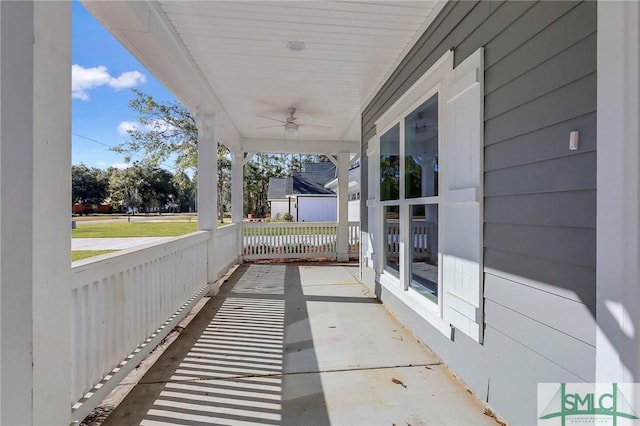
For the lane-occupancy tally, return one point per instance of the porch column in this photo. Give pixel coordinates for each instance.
(208, 192)
(237, 196)
(237, 179)
(618, 196)
(343, 207)
(35, 202)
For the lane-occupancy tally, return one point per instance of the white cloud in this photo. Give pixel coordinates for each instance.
(101, 164)
(121, 166)
(84, 79)
(127, 80)
(125, 126)
(158, 125)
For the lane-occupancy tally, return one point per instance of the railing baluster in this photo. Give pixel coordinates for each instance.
(116, 303)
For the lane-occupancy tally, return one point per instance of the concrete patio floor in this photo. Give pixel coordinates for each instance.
(297, 344)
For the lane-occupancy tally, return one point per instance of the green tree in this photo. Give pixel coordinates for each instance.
(256, 180)
(167, 131)
(88, 185)
(142, 187)
(186, 190)
(124, 189)
(164, 130)
(224, 181)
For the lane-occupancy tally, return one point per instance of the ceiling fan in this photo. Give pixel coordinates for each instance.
(290, 124)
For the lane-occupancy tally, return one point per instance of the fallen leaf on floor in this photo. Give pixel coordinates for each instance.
(427, 367)
(397, 338)
(332, 326)
(398, 382)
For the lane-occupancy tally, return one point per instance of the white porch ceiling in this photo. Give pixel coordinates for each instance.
(236, 54)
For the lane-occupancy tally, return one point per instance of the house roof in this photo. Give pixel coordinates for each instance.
(279, 188)
(311, 181)
(354, 178)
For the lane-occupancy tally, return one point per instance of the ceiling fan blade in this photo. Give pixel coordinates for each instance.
(272, 119)
(268, 127)
(317, 126)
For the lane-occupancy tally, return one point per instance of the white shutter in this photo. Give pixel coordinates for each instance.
(461, 217)
(373, 183)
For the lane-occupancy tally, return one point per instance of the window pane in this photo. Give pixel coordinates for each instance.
(424, 256)
(421, 153)
(392, 231)
(390, 164)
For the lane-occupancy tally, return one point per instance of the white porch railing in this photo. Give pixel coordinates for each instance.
(293, 240)
(422, 240)
(123, 305)
(228, 243)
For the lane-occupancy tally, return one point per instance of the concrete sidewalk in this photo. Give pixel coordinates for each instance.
(297, 344)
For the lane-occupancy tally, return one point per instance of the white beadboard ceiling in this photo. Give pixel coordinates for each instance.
(240, 49)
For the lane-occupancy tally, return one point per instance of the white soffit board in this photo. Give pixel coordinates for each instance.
(350, 50)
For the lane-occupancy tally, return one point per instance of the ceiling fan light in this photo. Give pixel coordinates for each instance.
(296, 45)
(290, 127)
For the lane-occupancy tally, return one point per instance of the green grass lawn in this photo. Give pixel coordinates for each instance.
(83, 254)
(134, 229)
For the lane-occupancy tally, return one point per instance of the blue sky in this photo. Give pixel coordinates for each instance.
(103, 74)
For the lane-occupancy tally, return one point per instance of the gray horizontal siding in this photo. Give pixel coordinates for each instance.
(570, 101)
(566, 280)
(558, 37)
(512, 387)
(559, 348)
(574, 246)
(514, 34)
(540, 197)
(540, 306)
(549, 76)
(557, 209)
(559, 174)
(542, 144)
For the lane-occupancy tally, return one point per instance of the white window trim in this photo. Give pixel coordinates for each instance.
(428, 85)
(450, 84)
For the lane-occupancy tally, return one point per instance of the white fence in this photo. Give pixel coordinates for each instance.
(293, 240)
(123, 305)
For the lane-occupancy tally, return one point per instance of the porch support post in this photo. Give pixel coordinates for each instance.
(35, 198)
(208, 192)
(618, 196)
(237, 196)
(343, 207)
(237, 179)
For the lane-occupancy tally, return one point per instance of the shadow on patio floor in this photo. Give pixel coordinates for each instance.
(296, 344)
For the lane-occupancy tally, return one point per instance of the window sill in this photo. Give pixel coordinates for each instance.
(426, 309)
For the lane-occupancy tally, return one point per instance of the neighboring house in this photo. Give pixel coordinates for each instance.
(303, 194)
(310, 195)
(354, 191)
